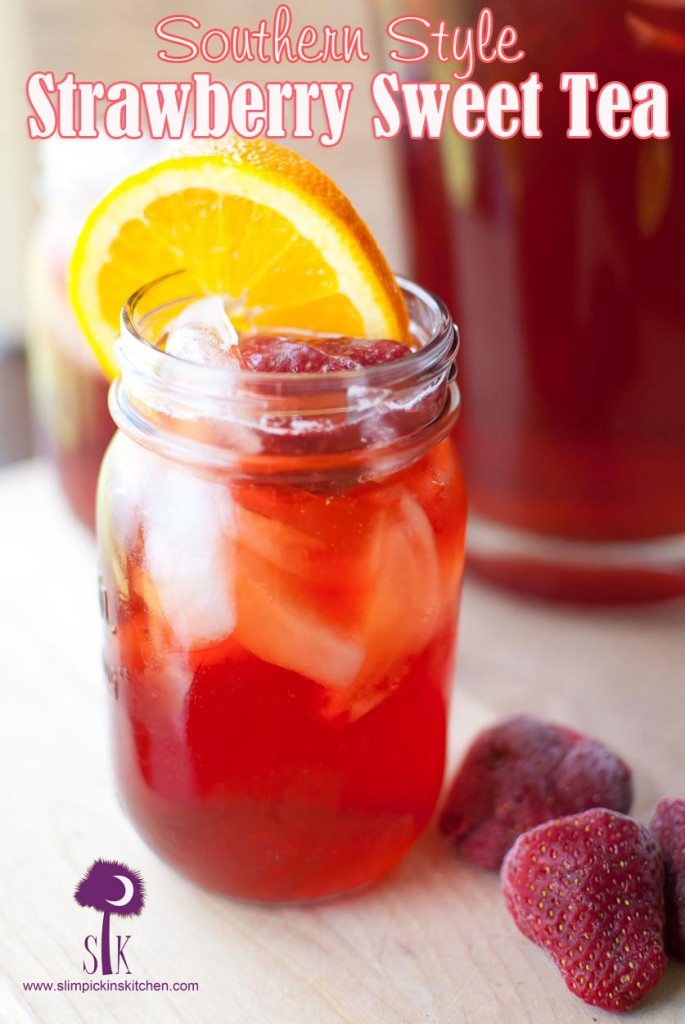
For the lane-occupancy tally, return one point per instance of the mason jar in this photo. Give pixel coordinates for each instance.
(69, 389)
(281, 559)
(562, 260)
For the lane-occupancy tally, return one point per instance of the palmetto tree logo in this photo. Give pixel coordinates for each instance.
(111, 888)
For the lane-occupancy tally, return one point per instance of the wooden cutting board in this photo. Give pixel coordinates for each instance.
(432, 944)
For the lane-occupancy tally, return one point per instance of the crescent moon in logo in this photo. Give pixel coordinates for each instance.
(128, 892)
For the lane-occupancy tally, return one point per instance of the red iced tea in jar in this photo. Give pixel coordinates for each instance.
(281, 559)
(69, 388)
(280, 520)
(562, 260)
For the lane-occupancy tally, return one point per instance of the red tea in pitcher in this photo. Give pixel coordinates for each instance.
(563, 262)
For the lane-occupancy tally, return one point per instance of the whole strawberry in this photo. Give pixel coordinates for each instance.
(283, 353)
(522, 773)
(589, 890)
(668, 825)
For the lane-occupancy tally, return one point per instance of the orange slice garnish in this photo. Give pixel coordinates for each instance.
(251, 221)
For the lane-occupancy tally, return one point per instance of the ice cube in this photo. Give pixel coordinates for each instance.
(189, 555)
(280, 629)
(291, 585)
(174, 677)
(405, 609)
(127, 469)
(202, 333)
(405, 605)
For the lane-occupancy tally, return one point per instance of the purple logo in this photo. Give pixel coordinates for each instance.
(111, 888)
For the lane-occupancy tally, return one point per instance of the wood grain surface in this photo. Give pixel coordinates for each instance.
(432, 944)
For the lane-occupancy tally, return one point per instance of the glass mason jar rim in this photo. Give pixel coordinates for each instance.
(132, 323)
(157, 389)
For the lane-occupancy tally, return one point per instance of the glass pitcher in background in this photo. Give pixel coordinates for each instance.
(564, 262)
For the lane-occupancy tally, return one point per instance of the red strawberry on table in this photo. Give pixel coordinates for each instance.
(522, 773)
(589, 890)
(668, 825)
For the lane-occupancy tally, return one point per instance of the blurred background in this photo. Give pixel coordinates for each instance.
(562, 262)
(47, 188)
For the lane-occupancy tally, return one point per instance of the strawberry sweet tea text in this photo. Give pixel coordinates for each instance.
(449, 100)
